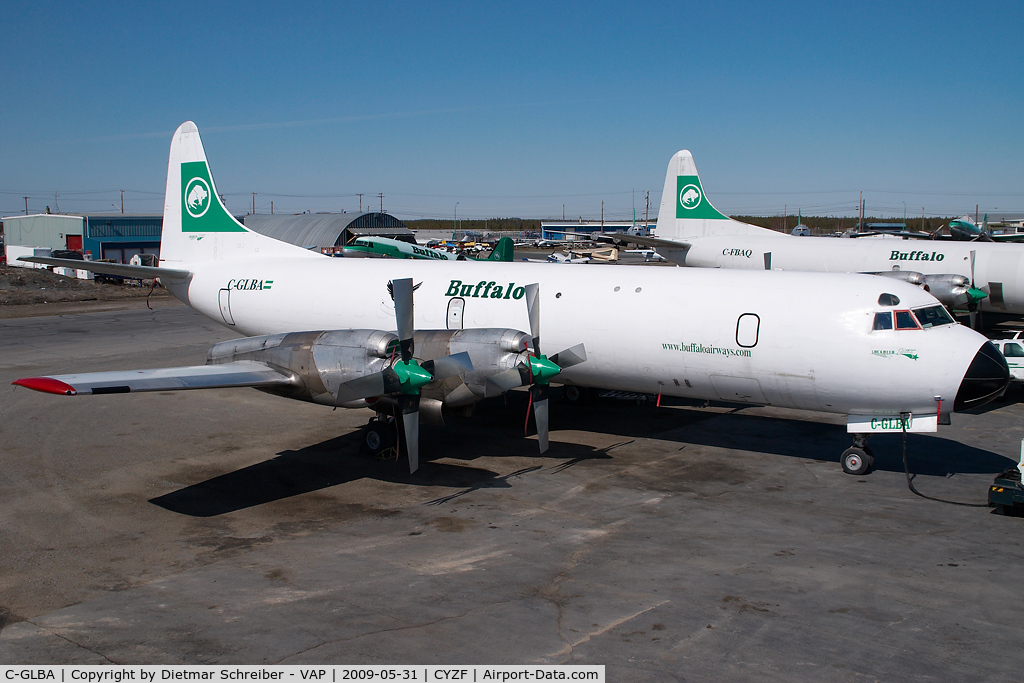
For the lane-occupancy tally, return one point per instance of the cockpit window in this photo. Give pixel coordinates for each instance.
(888, 300)
(933, 316)
(905, 321)
(1013, 350)
(883, 321)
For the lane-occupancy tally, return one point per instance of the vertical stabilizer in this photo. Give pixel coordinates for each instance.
(197, 227)
(686, 212)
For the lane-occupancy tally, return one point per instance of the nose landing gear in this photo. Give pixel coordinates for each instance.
(858, 459)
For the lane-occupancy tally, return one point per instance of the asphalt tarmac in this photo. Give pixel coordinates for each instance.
(674, 543)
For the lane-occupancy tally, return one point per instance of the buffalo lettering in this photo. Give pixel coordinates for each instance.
(485, 290)
(898, 255)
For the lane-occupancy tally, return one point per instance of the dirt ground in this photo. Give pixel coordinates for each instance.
(38, 286)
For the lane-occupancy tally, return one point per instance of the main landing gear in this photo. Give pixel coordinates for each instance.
(857, 459)
(379, 435)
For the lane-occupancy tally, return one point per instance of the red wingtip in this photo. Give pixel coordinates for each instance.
(47, 385)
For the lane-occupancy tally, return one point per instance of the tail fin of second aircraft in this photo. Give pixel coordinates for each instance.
(503, 250)
(197, 227)
(685, 210)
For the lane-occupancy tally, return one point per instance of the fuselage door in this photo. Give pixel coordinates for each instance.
(456, 308)
(225, 306)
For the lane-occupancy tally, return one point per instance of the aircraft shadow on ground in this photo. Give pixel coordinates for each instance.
(340, 460)
(497, 430)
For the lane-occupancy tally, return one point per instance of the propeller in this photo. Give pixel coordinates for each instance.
(974, 296)
(406, 377)
(538, 371)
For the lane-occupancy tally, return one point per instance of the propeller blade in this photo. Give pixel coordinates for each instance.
(504, 381)
(973, 253)
(533, 308)
(377, 384)
(540, 414)
(402, 291)
(411, 424)
(570, 357)
(448, 366)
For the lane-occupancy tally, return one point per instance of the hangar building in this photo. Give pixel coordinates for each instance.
(121, 236)
(328, 232)
(116, 236)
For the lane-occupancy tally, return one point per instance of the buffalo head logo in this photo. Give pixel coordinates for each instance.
(689, 196)
(197, 197)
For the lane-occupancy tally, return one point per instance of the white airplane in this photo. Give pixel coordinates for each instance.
(962, 275)
(319, 329)
(648, 254)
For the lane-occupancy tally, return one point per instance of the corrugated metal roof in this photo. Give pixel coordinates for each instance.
(321, 230)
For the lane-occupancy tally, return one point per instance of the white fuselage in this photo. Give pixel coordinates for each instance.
(672, 331)
(998, 268)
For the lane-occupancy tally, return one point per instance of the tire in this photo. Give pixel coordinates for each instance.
(856, 461)
(377, 438)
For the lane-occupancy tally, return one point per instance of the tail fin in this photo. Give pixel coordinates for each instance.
(503, 250)
(197, 227)
(685, 210)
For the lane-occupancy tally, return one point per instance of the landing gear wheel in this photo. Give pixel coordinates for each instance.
(856, 461)
(377, 438)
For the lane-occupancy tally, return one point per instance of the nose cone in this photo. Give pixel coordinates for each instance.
(987, 377)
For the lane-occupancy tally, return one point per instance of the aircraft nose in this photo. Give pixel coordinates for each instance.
(985, 379)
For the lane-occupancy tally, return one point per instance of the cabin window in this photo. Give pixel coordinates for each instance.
(883, 321)
(933, 316)
(888, 300)
(747, 328)
(1013, 350)
(905, 321)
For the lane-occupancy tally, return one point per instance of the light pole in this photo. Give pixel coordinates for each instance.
(455, 221)
(904, 215)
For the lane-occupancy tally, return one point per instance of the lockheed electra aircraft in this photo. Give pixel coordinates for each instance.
(475, 330)
(962, 275)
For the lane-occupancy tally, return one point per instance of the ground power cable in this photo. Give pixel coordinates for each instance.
(910, 480)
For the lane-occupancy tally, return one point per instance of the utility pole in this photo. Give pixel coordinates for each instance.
(785, 217)
(271, 207)
(922, 219)
(563, 213)
(254, 203)
(360, 202)
(26, 206)
(122, 201)
(860, 212)
(975, 214)
(381, 201)
(647, 213)
(602, 216)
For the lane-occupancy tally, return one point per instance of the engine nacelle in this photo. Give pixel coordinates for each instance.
(492, 350)
(951, 290)
(323, 360)
(911, 276)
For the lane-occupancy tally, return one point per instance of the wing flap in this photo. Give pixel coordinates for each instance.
(145, 272)
(219, 376)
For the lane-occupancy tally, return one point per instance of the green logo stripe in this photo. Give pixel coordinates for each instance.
(690, 200)
(201, 211)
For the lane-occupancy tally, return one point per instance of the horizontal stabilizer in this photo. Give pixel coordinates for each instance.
(220, 376)
(124, 270)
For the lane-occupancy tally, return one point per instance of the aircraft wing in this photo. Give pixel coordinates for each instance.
(1008, 238)
(145, 272)
(225, 375)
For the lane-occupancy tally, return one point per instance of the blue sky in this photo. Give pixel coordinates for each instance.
(516, 109)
